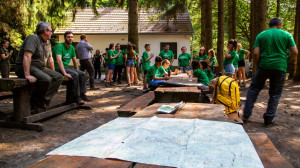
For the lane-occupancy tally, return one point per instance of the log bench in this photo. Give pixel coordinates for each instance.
(136, 105)
(22, 118)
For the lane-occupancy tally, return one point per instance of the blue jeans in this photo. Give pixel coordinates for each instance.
(229, 68)
(155, 83)
(277, 79)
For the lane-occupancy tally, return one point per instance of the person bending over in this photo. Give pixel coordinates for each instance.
(200, 74)
(156, 74)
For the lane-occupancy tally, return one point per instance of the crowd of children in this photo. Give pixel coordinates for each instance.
(203, 65)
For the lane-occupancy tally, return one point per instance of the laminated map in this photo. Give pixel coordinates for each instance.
(167, 142)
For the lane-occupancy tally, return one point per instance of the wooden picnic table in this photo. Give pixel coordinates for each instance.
(192, 110)
(265, 149)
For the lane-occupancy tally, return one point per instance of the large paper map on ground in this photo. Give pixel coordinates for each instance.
(167, 142)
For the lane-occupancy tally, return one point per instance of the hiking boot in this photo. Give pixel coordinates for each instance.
(84, 98)
(269, 121)
(94, 88)
(79, 101)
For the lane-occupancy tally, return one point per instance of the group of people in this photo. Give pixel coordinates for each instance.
(37, 63)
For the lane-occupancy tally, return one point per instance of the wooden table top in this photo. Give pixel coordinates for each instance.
(265, 149)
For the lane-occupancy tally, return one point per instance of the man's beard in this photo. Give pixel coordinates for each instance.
(68, 42)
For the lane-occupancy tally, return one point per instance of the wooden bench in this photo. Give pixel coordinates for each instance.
(22, 117)
(177, 94)
(136, 105)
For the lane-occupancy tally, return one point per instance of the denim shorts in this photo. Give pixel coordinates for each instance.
(111, 66)
(229, 68)
(130, 63)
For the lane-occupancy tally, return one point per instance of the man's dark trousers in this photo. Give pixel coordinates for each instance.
(86, 64)
(118, 70)
(277, 79)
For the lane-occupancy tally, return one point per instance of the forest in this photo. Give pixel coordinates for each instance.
(214, 21)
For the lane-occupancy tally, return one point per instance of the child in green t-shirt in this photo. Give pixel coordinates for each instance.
(212, 61)
(229, 58)
(156, 74)
(200, 74)
(146, 64)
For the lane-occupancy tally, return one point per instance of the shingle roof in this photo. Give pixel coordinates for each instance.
(115, 21)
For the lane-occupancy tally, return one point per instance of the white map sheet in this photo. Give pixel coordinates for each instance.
(168, 142)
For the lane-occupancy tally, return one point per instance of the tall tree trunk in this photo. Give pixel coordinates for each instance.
(208, 27)
(297, 38)
(220, 43)
(203, 24)
(278, 9)
(232, 19)
(260, 20)
(133, 23)
(252, 37)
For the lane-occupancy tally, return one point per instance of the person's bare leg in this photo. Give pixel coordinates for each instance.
(230, 75)
(240, 74)
(135, 76)
(132, 74)
(144, 81)
(244, 74)
(128, 74)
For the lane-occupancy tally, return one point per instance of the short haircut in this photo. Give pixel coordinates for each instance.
(274, 22)
(117, 44)
(82, 37)
(111, 45)
(183, 47)
(195, 64)
(158, 59)
(106, 49)
(166, 45)
(4, 41)
(146, 45)
(41, 26)
(67, 32)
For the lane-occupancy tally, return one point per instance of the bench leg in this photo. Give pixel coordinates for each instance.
(21, 98)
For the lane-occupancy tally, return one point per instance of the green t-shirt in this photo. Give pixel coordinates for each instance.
(119, 59)
(111, 53)
(273, 44)
(214, 60)
(209, 74)
(146, 64)
(105, 58)
(168, 69)
(184, 59)
(241, 54)
(230, 60)
(6, 61)
(135, 57)
(235, 61)
(166, 54)
(204, 57)
(202, 77)
(157, 71)
(66, 54)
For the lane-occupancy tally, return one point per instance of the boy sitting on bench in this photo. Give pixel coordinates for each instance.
(156, 74)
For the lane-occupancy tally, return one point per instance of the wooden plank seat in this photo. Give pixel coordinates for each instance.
(190, 111)
(22, 117)
(136, 105)
(267, 152)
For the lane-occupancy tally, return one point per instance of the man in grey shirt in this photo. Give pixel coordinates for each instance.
(30, 64)
(84, 55)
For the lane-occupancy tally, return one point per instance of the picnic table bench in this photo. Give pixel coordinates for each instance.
(265, 149)
(22, 118)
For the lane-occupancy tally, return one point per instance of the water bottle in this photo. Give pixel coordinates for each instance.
(191, 74)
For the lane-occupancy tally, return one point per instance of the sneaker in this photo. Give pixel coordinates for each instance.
(106, 84)
(119, 82)
(243, 84)
(112, 84)
(269, 121)
(84, 98)
(94, 88)
(128, 85)
(245, 119)
(79, 101)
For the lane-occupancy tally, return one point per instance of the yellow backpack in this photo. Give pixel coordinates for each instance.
(227, 93)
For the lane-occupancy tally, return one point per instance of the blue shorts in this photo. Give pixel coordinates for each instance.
(229, 68)
(155, 83)
(130, 63)
(111, 66)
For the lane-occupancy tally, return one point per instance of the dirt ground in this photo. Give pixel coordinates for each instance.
(21, 148)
